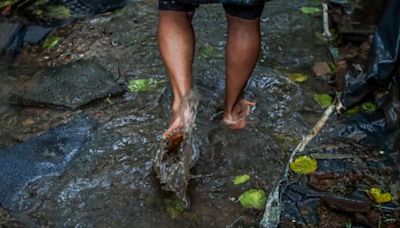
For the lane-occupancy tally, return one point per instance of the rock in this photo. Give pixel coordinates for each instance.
(7, 221)
(69, 86)
(322, 69)
(329, 218)
(44, 155)
(325, 180)
(347, 203)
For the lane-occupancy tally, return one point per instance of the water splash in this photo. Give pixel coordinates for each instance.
(174, 157)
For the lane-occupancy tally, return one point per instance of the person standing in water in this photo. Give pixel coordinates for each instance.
(177, 45)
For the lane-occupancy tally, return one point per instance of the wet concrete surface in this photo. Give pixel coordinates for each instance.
(109, 181)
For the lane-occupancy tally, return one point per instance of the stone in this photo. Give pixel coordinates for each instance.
(44, 155)
(322, 69)
(69, 86)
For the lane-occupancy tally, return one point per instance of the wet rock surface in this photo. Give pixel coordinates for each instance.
(44, 155)
(68, 86)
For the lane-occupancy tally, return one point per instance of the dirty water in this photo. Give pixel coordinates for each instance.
(109, 182)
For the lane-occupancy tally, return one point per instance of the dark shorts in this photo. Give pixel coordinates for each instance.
(244, 12)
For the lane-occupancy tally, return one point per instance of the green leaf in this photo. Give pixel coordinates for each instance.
(310, 10)
(6, 3)
(253, 198)
(241, 179)
(324, 100)
(211, 51)
(304, 165)
(369, 106)
(175, 207)
(58, 12)
(51, 42)
(144, 85)
(297, 77)
(352, 111)
(379, 196)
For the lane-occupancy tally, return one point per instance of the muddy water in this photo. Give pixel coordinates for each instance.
(109, 182)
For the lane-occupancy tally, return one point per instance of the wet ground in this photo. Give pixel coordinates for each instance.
(93, 166)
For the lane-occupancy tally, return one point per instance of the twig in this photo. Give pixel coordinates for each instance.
(273, 207)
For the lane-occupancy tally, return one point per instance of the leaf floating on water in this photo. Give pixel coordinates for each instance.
(51, 42)
(297, 77)
(369, 106)
(304, 165)
(144, 85)
(241, 179)
(324, 100)
(379, 196)
(253, 198)
(310, 10)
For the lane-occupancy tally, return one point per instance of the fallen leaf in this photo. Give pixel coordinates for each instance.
(58, 12)
(310, 10)
(241, 179)
(324, 100)
(369, 106)
(304, 165)
(297, 77)
(175, 207)
(51, 42)
(144, 85)
(212, 51)
(352, 111)
(28, 122)
(253, 198)
(379, 196)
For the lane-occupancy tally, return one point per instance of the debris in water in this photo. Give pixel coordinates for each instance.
(175, 207)
(241, 179)
(253, 198)
(304, 165)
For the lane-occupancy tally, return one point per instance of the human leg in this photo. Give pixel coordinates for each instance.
(242, 50)
(176, 42)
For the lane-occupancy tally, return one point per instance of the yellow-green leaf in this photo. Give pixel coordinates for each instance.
(352, 111)
(304, 165)
(144, 85)
(379, 196)
(59, 12)
(253, 198)
(51, 42)
(324, 100)
(211, 51)
(175, 207)
(369, 106)
(241, 179)
(310, 10)
(297, 77)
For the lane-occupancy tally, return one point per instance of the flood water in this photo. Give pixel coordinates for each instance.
(102, 176)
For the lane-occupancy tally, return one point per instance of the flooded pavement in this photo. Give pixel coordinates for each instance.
(99, 158)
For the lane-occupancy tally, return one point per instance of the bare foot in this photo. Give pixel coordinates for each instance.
(174, 128)
(238, 118)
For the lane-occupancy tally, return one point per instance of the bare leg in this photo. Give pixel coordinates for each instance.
(176, 41)
(243, 47)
